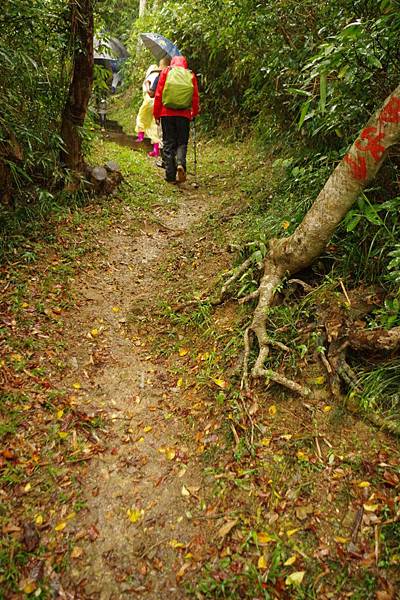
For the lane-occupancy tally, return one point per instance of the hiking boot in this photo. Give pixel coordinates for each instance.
(180, 174)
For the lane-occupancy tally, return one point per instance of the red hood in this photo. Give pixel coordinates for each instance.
(179, 61)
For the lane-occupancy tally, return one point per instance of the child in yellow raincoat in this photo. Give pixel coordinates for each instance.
(145, 123)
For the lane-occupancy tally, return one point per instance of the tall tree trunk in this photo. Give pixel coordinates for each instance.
(81, 84)
(289, 255)
(10, 152)
(142, 12)
(142, 7)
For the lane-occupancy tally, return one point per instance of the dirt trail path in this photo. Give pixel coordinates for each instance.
(132, 467)
(141, 492)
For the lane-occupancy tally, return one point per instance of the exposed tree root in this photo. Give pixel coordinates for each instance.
(339, 370)
(249, 297)
(258, 331)
(379, 341)
(289, 255)
(238, 273)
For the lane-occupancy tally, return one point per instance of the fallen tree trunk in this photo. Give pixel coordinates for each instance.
(289, 255)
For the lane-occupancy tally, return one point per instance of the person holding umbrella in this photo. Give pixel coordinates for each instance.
(145, 123)
(176, 103)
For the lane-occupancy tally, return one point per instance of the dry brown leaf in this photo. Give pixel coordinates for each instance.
(226, 528)
(77, 552)
(182, 571)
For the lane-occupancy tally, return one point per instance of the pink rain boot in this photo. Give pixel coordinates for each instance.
(140, 137)
(156, 151)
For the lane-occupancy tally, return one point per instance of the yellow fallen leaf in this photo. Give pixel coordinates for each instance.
(341, 540)
(176, 544)
(265, 442)
(60, 526)
(147, 428)
(264, 538)
(63, 434)
(76, 386)
(116, 309)
(287, 436)
(204, 356)
(94, 332)
(295, 578)
(272, 410)
(290, 561)
(302, 456)
(285, 224)
(220, 383)
(262, 563)
(39, 519)
(327, 408)
(16, 357)
(182, 571)
(179, 382)
(170, 453)
(364, 484)
(371, 507)
(24, 305)
(60, 414)
(183, 351)
(134, 514)
(29, 587)
(71, 516)
(140, 440)
(291, 532)
(76, 552)
(318, 380)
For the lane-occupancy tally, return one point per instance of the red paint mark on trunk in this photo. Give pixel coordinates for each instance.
(358, 166)
(391, 112)
(370, 142)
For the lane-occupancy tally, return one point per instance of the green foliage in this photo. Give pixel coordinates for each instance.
(379, 387)
(306, 77)
(394, 265)
(34, 46)
(320, 66)
(116, 17)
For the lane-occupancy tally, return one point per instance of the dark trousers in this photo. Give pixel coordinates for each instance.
(175, 139)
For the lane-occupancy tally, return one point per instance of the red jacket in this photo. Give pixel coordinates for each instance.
(160, 110)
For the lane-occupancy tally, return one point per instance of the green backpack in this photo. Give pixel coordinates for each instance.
(178, 88)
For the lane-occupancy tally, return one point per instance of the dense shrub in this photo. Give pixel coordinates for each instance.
(34, 47)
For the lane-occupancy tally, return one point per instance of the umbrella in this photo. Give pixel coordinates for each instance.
(159, 45)
(110, 53)
(109, 49)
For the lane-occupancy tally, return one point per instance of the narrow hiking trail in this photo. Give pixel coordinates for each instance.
(131, 465)
(142, 493)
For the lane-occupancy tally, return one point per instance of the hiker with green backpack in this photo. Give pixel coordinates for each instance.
(176, 103)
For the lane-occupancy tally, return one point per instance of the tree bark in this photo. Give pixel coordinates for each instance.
(289, 255)
(142, 8)
(142, 12)
(81, 84)
(10, 152)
